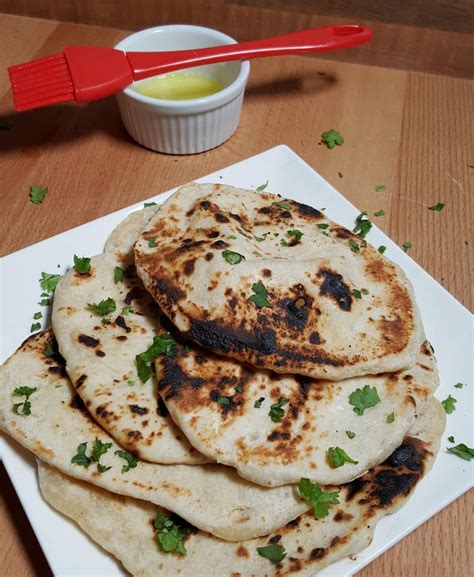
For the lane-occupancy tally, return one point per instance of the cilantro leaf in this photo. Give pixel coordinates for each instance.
(380, 188)
(38, 316)
(437, 207)
(354, 246)
(337, 457)
(152, 242)
(259, 402)
(119, 274)
(232, 257)
(282, 204)
(262, 187)
(99, 448)
(82, 265)
(459, 385)
(357, 294)
(129, 458)
(170, 535)
(44, 302)
(406, 246)
(38, 194)
(23, 408)
(232, 236)
(295, 238)
(382, 249)
(223, 400)
(379, 213)
(323, 225)
(364, 398)
(162, 345)
(451, 439)
(260, 296)
(152, 203)
(463, 451)
(350, 434)
(259, 238)
(126, 310)
(319, 499)
(449, 404)
(332, 138)
(103, 308)
(35, 327)
(48, 282)
(362, 225)
(391, 418)
(80, 458)
(277, 412)
(102, 468)
(49, 351)
(274, 553)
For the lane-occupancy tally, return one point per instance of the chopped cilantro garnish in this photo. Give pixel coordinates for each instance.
(35, 327)
(354, 246)
(379, 213)
(146, 204)
(337, 457)
(295, 238)
(223, 400)
(119, 274)
(391, 418)
(382, 249)
(103, 308)
(231, 236)
(99, 448)
(131, 460)
(260, 296)
(459, 385)
(48, 282)
(449, 404)
(463, 451)
(152, 243)
(82, 265)
(239, 389)
(357, 294)
(23, 408)
(170, 535)
(350, 434)
(364, 398)
(80, 458)
(277, 412)
(380, 188)
(232, 257)
(38, 194)
(262, 187)
(130, 383)
(323, 225)
(162, 345)
(126, 310)
(274, 553)
(259, 238)
(437, 207)
(38, 316)
(406, 246)
(259, 402)
(319, 499)
(44, 302)
(451, 439)
(362, 225)
(282, 204)
(332, 138)
(49, 351)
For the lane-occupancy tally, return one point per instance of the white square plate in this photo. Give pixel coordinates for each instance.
(448, 326)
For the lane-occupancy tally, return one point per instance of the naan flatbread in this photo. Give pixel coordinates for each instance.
(253, 276)
(225, 410)
(59, 429)
(124, 526)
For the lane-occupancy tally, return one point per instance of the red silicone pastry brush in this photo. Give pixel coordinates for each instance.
(86, 73)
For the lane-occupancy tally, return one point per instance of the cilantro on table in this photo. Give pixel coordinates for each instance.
(274, 553)
(82, 265)
(38, 315)
(260, 296)
(364, 398)
(35, 327)
(119, 274)
(38, 193)
(277, 412)
(23, 408)
(379, 213)
(232, 257)
(449, 404)
(146, 204)
(451, 439)
(259, 402)
(262, 187)
(170, 535)
(44, 302)
(282, 204)
(362, 225)
(406, 246)
(380, 188)
(463, 451)
(48, 281)
(382, 249)
(437, 207)
(103, 308)
(338, 457)
(459, 385)
(350, 434)
(332, 138)
(295, 238)
(131, 460)
(391, 418)
(317, 498)
(162, 345)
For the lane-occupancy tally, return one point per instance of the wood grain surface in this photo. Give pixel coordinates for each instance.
(409, 131)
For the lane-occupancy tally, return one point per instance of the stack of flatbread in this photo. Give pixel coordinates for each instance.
(237, 387)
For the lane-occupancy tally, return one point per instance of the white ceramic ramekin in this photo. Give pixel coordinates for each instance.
(184, 126)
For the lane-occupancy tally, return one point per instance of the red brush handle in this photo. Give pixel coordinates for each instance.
(146, 64)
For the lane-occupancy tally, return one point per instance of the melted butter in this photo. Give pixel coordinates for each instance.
(178, 86)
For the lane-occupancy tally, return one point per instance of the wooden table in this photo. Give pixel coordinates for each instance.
(409, 131)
